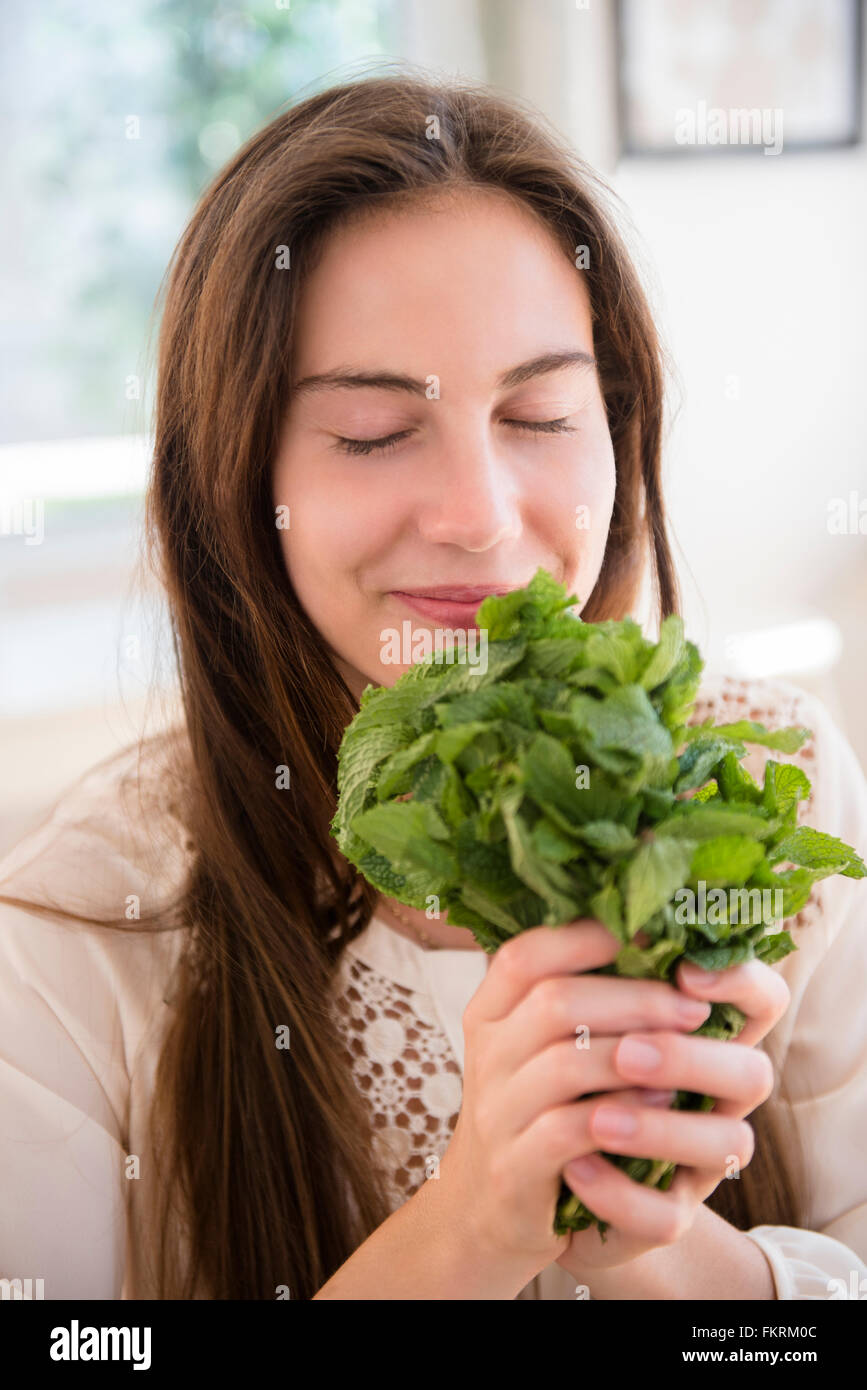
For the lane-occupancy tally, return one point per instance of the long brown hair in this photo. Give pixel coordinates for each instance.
(268, 1153)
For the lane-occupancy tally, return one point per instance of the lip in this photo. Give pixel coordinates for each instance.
(458, 593)
(453, 605)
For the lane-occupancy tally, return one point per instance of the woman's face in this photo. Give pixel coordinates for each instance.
(458, 314)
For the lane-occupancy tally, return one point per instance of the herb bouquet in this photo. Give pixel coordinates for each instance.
(563, 781)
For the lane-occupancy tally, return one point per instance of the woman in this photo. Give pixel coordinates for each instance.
(403, 348)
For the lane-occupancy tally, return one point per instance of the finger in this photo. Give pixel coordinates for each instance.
(705, 1181)
(559, 1135)
(697, 1184)
(630, 1207)
(756, 989)
(532, 955)
(582, 1006)
(560, 1074)
(715, 1067)
(644, 1095)
(695, 1139)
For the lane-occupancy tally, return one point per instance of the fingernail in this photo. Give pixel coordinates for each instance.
(693, 1011)
(583, 1169)
(661, 1098)
(701, 977)
(638, 1055)
(615, 1120)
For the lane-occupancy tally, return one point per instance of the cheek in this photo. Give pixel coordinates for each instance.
(592, 515)
(335, 523)
(578, 497)
(592, 490)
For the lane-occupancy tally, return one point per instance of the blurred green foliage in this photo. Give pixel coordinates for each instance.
(119, 117)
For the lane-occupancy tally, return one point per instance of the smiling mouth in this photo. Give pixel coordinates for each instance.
(445, 611)
(458, 593)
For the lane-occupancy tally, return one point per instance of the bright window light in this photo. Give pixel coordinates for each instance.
(65, 468)
(812, 645)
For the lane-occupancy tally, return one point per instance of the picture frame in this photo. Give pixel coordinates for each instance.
(746, 78)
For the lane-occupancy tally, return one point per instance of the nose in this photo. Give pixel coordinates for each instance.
(474, 503)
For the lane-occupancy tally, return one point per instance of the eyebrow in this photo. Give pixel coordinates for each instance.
(353, 378)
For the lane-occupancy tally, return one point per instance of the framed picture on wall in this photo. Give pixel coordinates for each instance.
(738, 76)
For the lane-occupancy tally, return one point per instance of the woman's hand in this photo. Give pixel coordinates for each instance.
(526, 1069)
(703, 1143)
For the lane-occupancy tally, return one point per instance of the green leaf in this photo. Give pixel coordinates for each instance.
(725, 1021)
(505, 700)
(666, 654)
(407, 833)
(696, 820)
(698, 761)
(735, 782)
(722, 956)
(649, 962)
(616, 648)
(359, 765)
(728, 859)
(551, 843)
(813, 849)
(606, 836)
(785, 785)
(707, 793)
(607, 907)
(394, 776)
(448, 744)
(625, 722)
(774, 947)
(783, 740)
(550, 881)
(549, 777)
(652, 876)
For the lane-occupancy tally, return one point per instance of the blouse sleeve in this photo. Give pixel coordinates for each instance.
(75, 1005)
(824, 1068)
(62, 1087)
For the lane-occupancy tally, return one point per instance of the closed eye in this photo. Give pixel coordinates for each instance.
(389, 441)
(543, 426)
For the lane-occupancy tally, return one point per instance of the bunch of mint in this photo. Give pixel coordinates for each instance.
(563, 781)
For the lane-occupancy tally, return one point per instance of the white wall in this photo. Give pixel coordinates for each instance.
(757, 267)
(761, 287)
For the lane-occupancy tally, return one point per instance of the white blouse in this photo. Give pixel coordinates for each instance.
(83, 1012)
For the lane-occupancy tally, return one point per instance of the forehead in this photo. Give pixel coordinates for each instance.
(445, 217)
(468, 265)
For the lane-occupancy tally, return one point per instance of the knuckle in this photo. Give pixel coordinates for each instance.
(554, 1063)
(555, 1131)
(548, 1000)
(508, 961)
